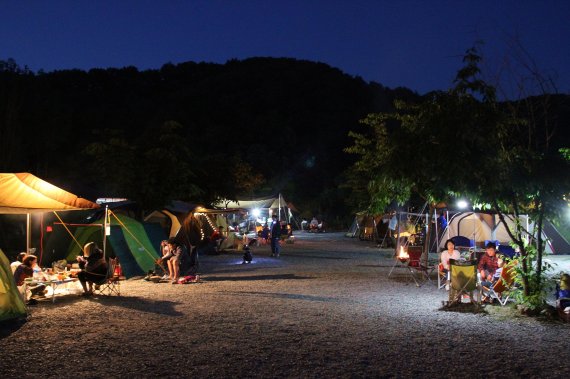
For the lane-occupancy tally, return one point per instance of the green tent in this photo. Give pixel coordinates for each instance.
(135, 244)
(11, 303)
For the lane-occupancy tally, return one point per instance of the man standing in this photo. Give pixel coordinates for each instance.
(275, 237)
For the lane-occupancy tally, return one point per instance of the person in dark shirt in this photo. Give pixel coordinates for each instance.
(93, 267)
(275, 237)
(25, 270)
(489, 262)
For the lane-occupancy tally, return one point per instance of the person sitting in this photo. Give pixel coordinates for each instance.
(446, 255)
(497, 274)
(488, 263)
(563, 294)
(93, 267)
(26, 270)
(247, 256)
(19, 258)
(314, 225)
(178, 257)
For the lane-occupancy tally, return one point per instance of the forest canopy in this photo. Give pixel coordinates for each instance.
(244, 128)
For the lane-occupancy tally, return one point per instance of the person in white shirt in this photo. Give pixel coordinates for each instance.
(14, 265)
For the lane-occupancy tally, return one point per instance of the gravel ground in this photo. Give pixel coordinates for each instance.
(326, 308)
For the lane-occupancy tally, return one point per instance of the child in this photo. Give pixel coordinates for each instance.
(497, 275)
(247, 257)
(563, 293)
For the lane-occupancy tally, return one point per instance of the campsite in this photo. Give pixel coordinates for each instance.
(325, 308)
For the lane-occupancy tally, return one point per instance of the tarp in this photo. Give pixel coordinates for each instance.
(259, 203)
(273, 202)
(23, 193)
(11, 303)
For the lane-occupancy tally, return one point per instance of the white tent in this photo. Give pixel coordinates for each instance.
(481, 227)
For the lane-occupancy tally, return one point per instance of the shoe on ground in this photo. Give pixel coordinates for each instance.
(164, 277)
(447, 287)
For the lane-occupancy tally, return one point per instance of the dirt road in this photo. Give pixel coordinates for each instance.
(324, 309)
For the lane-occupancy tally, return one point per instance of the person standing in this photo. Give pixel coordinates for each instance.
(275, 237)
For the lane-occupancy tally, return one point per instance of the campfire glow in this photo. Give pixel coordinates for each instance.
(403, 254)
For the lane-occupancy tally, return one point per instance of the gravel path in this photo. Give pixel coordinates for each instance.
(324, 309)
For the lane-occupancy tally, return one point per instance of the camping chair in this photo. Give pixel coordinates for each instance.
(111, 284)
(415, 264)
(442, 276)
(463, 282)
(500, 290)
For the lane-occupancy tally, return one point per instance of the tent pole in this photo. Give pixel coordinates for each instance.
(28, 233)
(105, 232)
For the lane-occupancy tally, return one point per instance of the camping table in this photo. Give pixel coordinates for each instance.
(54, 283)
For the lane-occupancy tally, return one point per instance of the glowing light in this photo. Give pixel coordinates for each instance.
(462, 204)
(256, 212)
(403, 254)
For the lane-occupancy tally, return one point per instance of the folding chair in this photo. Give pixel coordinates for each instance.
(500, 290)
(442, 276)
(413, 262)
(111, 284)
(463, 282)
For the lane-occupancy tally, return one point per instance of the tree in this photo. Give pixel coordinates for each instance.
(464, 141)
(152, 171)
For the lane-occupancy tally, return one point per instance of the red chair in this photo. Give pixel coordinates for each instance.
(416, 265)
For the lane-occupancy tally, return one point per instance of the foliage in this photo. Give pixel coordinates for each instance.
(151, 170)
(464, 142)
(286, 119)
(530, 277)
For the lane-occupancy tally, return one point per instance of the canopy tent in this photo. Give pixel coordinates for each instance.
(24, 193)
(11, 303)
(479, 227)
(276, 204)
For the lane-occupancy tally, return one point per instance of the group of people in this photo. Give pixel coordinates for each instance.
(490, 265)
(93, 271)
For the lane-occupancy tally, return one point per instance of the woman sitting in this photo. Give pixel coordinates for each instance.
(446, 255)
(26, 270)
(93, 267)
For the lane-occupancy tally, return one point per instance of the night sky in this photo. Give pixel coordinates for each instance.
(416, 44)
